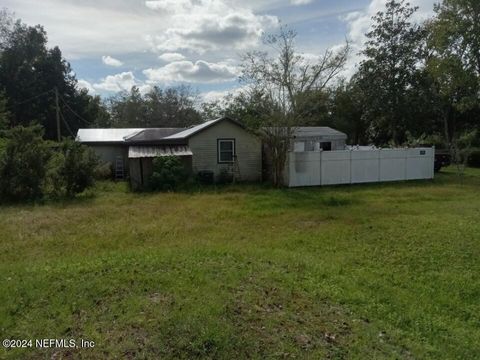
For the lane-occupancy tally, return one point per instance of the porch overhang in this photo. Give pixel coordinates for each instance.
(136, 152)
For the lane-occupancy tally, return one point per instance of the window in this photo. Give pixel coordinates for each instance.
(225, 150)
(326, 146)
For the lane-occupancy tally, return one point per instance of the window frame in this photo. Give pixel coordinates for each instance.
(325, 142)
(232, 141)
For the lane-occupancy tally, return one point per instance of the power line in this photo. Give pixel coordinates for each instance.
(33, 98)
(74, 112)
(58, 110)
(66, 124)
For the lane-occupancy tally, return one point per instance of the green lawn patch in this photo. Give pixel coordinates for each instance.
(379, 271)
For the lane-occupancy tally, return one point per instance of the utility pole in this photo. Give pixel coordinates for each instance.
(57, 110)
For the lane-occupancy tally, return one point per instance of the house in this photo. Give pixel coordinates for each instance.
(220, 147)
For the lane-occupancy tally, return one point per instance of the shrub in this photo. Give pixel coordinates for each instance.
(168, 173)
(23, 163)
(103, 171)
(76, 171)
(54, 184)
(3, 145)
(474, 158)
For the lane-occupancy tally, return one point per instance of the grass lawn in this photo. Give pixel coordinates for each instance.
(381, 271)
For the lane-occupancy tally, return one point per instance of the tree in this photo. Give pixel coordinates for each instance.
(128, 109)
(393, 53)
(454, 64)
(23, 164)
(6, 25)
(29, 73)
(457, 31)
(170, 107)
(454, 67)
(280, 80)
(347, 109)
(4, 113)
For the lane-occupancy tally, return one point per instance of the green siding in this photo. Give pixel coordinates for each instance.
(247, 147)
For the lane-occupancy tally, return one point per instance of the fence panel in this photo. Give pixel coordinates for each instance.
(304, 168)
(365, 166)
(335, 167)
(393, 164)
(313, 168)
(420, 163)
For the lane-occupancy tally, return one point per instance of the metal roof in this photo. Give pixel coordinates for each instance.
(318, 131)
(105, 135)
(306, 132)
(197, 128)
(143, 134)
(153, 134)
(154, 151)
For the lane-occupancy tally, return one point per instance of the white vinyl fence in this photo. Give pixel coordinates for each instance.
(313, 168)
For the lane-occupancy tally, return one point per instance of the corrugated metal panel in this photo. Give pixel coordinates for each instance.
(105, 135)
(193, 130)
(154, 151)
(153, 134)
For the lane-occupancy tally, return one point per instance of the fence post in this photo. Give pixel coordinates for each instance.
(432, 168)
(292, 174)
(351, 165)
(320, 180)
(379, 165)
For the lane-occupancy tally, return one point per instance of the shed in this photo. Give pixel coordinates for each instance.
(314, 138)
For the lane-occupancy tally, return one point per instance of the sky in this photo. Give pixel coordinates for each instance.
(115, 44)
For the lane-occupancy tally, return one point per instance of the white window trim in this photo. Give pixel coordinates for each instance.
(232, 141)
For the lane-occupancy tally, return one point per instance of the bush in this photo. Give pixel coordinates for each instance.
(474, 158)
(23, 163)
(76, 169)
(54, 184)
(31, 167)
(103, 171)
(168, 173)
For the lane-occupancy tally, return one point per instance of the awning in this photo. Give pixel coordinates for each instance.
(161, 150)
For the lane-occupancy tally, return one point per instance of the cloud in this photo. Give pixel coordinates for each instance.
(215, 95)
(96, 27)
(300, 2)
(110, 61)
(169, 57)
(187, 71)
(169, 5)
(84, 84)
(204, 25)
(117, 82)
